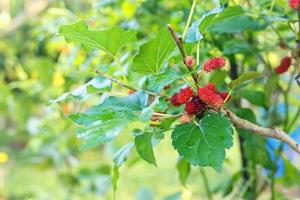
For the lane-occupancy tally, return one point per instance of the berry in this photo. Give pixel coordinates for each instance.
(174, 100)
(190, 61)
(294, 4)
(284, 65)
(224, 95)
(184, 95)
(211, 97)
(195, 106)
(213, 63)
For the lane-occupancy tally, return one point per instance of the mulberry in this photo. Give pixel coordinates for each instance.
(190, 61)
(284, 65)
(184, 95)
(213, 63)
(174, 100)
(195, 106)
(224, 95)
(294, 4)
(210, 96)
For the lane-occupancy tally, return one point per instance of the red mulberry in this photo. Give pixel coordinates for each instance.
(284, 65)
(190, 61)
(211, 97)
(195, 106)
(294, 4)
(213, 63)
(224, 95)
(184, 95)
(174, 100)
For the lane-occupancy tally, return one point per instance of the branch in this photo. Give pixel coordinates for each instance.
(122, 84)
(179, 44)
(273, 132)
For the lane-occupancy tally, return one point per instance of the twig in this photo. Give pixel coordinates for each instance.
(273, 132)
(179, 44)
(122, 84)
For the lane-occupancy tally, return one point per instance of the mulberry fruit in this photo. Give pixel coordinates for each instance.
(184, 95)
(190, 61)
(284, 65)
(210, 96)
(195, 106)
(294, 4)
(224, 95)
(213, 63)
(174, 100)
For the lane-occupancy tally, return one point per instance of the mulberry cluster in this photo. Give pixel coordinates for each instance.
(294, 4)
(196, 104)
(213, 63)
(284, 65)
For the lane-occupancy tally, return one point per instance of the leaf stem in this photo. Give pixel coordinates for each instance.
(198, 54)
(206, 185)
(165, 115)
(189, 19)
(121, 69)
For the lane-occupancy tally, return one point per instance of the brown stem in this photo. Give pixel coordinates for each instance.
(179, 44)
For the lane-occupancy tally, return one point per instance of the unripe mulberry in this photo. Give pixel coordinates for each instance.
(211, 97)
(174, 100)
(213, 63)
(294, 4)
(190, 61)
(184, 95)
(195, 106)
(284, 65)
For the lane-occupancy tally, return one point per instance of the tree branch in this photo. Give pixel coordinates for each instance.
(273, 132)
(179, 44)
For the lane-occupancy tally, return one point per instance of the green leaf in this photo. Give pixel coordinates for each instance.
(218, 77)
(143, 145)
(156, 83)
(153, 53)
(122, 154)
(237, 46)
(253, 96)
(269, 88)
(291, 175)
(102, 123)
(115, 178)
(204, 144)
(95, 85)
(244, 77)
(110, 40)
(184, 169)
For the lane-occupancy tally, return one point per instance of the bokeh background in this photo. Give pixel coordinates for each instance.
(39, 151)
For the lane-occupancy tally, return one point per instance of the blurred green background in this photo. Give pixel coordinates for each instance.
(39, 151)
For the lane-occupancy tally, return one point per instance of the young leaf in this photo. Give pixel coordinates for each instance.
(143, 145)
(110, 40)
(244, 77)
(153, 53)
(103, 122)
(115, 178)
(156, 83)
(184, 169)
(122, 154)
(269, 88)
(204, 144)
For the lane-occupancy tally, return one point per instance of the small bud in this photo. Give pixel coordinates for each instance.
(190, 61)
(185, 118)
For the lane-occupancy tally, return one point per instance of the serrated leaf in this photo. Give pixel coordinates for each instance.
(143, 145)
(122, 154)
(97, 84)
(110, 40)
(103, 122)
(156, 83)
(244, 77)
(204, 144)
(254, 96)
(184, 169)
(153, 53)
(269, 88)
